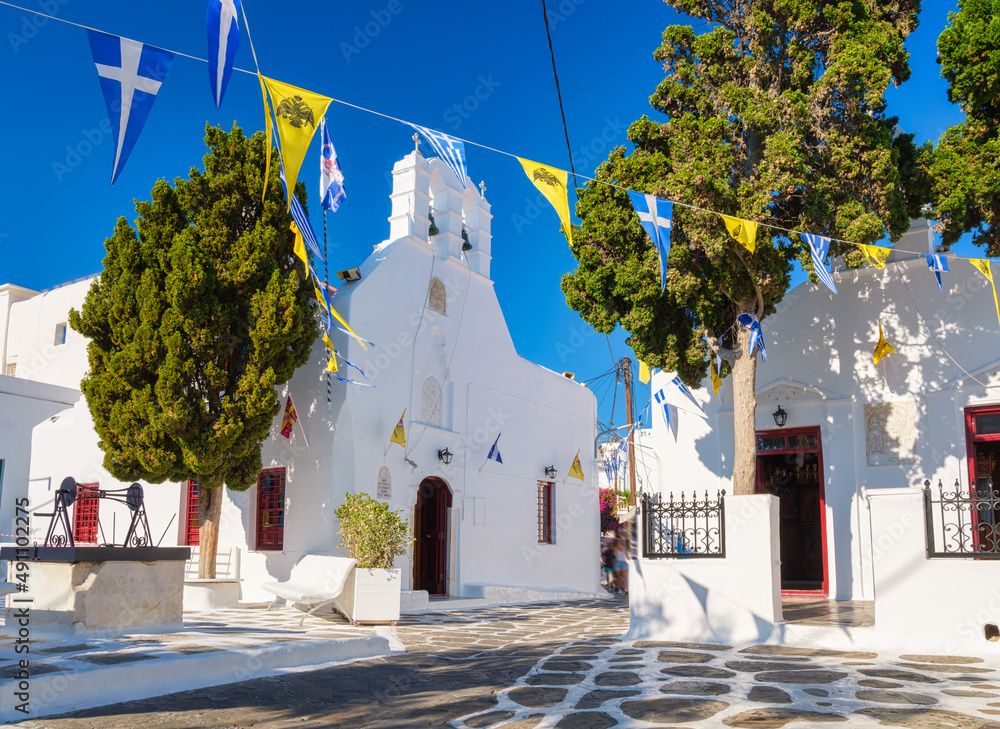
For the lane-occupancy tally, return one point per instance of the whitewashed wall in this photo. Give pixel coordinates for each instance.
(820, 370)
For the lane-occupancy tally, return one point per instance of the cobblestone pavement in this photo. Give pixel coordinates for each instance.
(566, 665)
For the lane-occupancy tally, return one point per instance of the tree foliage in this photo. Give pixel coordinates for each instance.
(199, 314)
(964, 168)
(775, 114)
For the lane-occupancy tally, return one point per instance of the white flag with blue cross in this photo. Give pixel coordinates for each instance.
(654, 214)
(449, 149)
(223, 42)
(819, 246)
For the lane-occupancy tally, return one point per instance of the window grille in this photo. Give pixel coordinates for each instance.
(192, 534)
(545, 489)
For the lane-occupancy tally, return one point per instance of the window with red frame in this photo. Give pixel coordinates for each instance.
(85, 515)
(271, 509)
(191, 535)
(545, 512)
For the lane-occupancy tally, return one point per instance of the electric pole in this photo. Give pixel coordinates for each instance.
(625, 371)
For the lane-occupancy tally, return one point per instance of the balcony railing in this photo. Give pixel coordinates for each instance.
(685, 527)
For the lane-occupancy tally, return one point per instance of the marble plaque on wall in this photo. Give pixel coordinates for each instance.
(891, 433)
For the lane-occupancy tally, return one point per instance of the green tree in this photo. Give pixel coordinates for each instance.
(775, 114)
(964, 169)
(200, 313)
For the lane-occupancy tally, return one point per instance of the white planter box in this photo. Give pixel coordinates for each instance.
(202, 595)
(371, 596)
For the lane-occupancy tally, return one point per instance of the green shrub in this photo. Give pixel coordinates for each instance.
(372, 534)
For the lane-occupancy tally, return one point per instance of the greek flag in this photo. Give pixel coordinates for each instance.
(449, 149)
(131, 74)
(302, 220)
(654, 214)
(819, 246)
(331, 178)
(756, 336)
(661, 398)
(685, 391)
(223, 42)
(937, 262)
(494, 453)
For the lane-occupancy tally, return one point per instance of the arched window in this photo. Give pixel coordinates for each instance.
(436, 296)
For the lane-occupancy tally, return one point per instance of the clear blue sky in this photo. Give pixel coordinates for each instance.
(412, 60)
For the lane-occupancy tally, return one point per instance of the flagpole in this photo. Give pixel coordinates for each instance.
(303, 429)
(326, 272)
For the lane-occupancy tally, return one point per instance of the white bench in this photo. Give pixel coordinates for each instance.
(315, 580)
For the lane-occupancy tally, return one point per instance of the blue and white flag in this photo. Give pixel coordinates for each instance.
(819, 247)
(301, 220)
(655, 214)
(937, 262)
(131, 74)
(494, 454)
(350, 364)
(756, 336)
(449, 149)
(687, 393)
(331, 178)
(352, 382)
(223, 42)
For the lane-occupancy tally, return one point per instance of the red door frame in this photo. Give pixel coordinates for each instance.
(759, 484)
(971, 437)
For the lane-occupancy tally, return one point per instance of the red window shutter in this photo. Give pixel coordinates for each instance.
(271, 509)
(192, 534)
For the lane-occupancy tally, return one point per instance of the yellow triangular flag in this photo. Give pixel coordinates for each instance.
(398, 433)
(644, 373)
(743, 231)
(716, 380)
(875, 255)
(331, 366)
(297, 113)
(984, 268)
(551, 182)
(576, 470)
(300, 245)
(267, 140)
(883, 347)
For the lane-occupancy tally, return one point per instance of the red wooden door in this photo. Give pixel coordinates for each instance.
(431, 531)
(790, 466)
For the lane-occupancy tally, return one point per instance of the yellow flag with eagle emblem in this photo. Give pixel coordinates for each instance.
(883, 347)
(744, 232)
(576, 470)
(983, 266)
(296, 113)
(399, 433)
(551, 182)
(875, 255)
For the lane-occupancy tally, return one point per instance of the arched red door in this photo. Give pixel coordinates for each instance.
(430, 527)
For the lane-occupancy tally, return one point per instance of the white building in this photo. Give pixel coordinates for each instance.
(929, 412)
(445, 356)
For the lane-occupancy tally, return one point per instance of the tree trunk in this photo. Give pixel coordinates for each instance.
(209, 514)
(744, 415)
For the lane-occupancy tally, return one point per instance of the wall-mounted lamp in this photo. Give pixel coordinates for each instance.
(550, 472)
(780, 417)
(445, 456)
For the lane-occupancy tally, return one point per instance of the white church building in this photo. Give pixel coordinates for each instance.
(444, 356)
(851, 429)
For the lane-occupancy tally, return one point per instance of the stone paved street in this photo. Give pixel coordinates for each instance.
(566, 665)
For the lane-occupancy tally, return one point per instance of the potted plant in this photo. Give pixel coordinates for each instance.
(374, 536)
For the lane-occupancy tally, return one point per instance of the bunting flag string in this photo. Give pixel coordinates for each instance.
(364, 384)
(983, 266)
(301, 219)
(131, 74)
(743, 232)
(551, 182)
(937, 263)
(875, 255)
(295, 113)
(882, 348)
(223, 42)
(818, 247)
(655, 215)
(756, 335)
(351, 364)
(448, 148)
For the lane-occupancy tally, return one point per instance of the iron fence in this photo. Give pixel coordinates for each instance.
(963, 524)
(684, 528)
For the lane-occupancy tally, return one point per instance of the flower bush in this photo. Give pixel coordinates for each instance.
(609, 510)
(373, 535)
